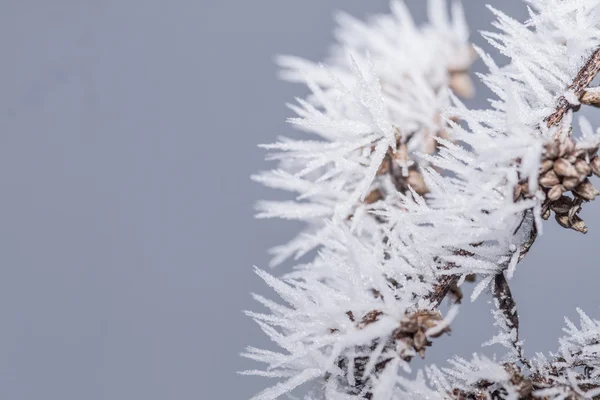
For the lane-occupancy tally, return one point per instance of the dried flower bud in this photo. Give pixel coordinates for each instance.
(546, 214)
(384, 168)
(586, 190)
(429, 144)
(517, 193)
(546, 166)
(578, 225)
(570, 183)
(566, 147)
(462, 85)
(574, 223)
(583, 168)
(374, 196)
(595, 166)
(556, 192)
(549, 179)
(415, 180)
(564, 168)
(563, 220)
(562, 205)
(420, 340)
(552, 150)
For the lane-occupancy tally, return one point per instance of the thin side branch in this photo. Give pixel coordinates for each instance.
(591, 99)
(582, 81)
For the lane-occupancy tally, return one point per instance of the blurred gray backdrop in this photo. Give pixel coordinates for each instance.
(127, 239)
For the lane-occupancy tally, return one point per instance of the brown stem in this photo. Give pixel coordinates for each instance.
(581, 82)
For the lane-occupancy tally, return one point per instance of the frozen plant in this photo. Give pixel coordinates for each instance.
(406, 194)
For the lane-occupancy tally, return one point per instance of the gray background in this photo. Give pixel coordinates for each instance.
(128, 134)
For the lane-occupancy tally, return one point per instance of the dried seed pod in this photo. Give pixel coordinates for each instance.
(566, 147)
(546, 214)
(583, 168)
(562, 205)
(586, 190)
(564, 168)
(409, 326)
(579, 225)
(374, 196)
(563, 220)
(552, 150)
(517, 193)
(556, 192)
(549, 179)
(572, 158)
(384, 168)
(595, 166)
(570, 183)
(546, 166)
(420, 340)
(462, 85)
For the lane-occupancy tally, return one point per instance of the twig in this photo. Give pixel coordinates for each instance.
(591, 99)
(582, 81)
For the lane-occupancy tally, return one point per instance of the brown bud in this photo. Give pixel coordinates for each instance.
(562, 205)
(586, 190)
(578, 225)
(583, 168)
(574, 223)
(420, 340)
(572, 158)
(556, 192)
(384, 168)
(517, 193)
(595, 166)
(546, 166)
(415, 180)
(564, 168)
(409, 326)
(549, 179)
(570, 183)
(462, 85)
(552, 150)
(374, 196)
(563, 220)
(546, 214)
(566, 147)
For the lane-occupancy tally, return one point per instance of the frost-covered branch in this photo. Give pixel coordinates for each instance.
(407, 193)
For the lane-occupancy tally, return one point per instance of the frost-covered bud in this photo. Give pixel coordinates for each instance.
(562, 167)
